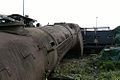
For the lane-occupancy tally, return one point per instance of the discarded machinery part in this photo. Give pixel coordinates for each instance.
(7, 18)
(33, 57)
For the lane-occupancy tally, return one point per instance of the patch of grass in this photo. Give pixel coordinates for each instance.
(88, 68)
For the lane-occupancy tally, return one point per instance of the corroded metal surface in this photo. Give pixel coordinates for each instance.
(34, 55)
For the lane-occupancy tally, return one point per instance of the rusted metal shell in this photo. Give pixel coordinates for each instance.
(34, 55)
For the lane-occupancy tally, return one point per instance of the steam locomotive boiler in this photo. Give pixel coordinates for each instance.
(31, 53)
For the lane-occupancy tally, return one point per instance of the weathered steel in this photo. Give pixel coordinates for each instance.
(95, 39)
(33, 56)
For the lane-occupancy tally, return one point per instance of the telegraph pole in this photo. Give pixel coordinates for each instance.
(96, 21)
(96, 40)
(23, 7)
(96, 25)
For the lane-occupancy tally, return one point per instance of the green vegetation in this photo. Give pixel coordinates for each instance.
(89, 68)
(75, 69)
(117, 35)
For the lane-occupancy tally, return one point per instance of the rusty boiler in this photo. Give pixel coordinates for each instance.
(31, 53)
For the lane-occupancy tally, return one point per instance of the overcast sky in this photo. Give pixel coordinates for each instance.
(82, 12)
